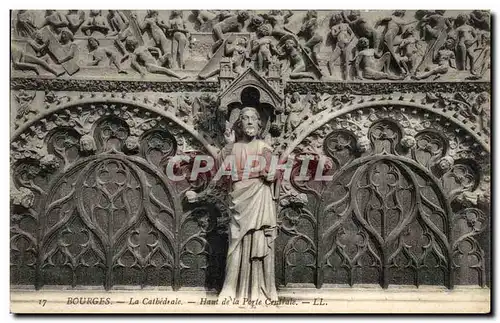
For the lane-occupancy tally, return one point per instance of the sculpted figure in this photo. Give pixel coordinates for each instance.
(481, 108)
(75, 19)
(295, 110)
(445, 60)
(483, 59)
(361, 28)
(309, 31)
(253, 229)
(238, 51)
(408, 50)
(55, 20)
(480, 19)
(294, 60)
(25, 23)
(263, 47)
(143, 61)
(467, 37)
(207, 18)
(278, 19)
(316, 103)
(180, 37)
(231, 23)
(185, 109)
(100, 54)
(393, 29)
(369, 67)
(435, 32)
(95, 22)
(203, 16)
(120, 27)
(433, 24)
(154, 25)
(342, 36)
(24, 61)
(71, 49)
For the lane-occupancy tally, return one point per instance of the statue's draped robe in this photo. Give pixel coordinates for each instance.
(250, 260)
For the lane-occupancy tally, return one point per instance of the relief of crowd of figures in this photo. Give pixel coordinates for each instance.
(328, 45)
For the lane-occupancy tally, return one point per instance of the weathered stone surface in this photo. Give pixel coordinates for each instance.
(397, 102)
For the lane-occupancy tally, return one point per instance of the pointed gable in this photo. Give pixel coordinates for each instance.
(250, 78)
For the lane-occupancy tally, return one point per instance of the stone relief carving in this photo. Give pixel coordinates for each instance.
(405, 138)
(340, 45)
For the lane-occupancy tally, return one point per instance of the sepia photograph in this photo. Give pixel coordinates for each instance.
(250, 161)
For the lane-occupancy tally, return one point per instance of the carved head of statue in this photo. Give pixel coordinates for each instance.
(440, 12)
(187, 99)
(363, 43)
(483, 97)
(257, 21)
(243, 15)
(87, 144)
(310, 25)
(485, 38)
(176, 13)
(354, 14)
(311, 14)
(399, 13)
(95, 13)
(445, 163)
(290, 44)
(37, 36)
(264, 30)
(336, 19)
(461, 19)
(409, 30)
(249, 122)
(66, 36)
(131, 44)
(241, 41)
(450, 43)
(295, 97)
(152, 13)
(93, 43)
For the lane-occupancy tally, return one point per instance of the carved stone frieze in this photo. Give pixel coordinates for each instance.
(332, 45)
(389, 111)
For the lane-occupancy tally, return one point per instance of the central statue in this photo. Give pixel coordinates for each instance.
(252, 230)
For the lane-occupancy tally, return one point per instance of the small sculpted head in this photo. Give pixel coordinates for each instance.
(450, 43)
(462, 19)
(93, 43)
(290, 44)
(131, 44)
(66, 36)
(249, 121)
(363, 43)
